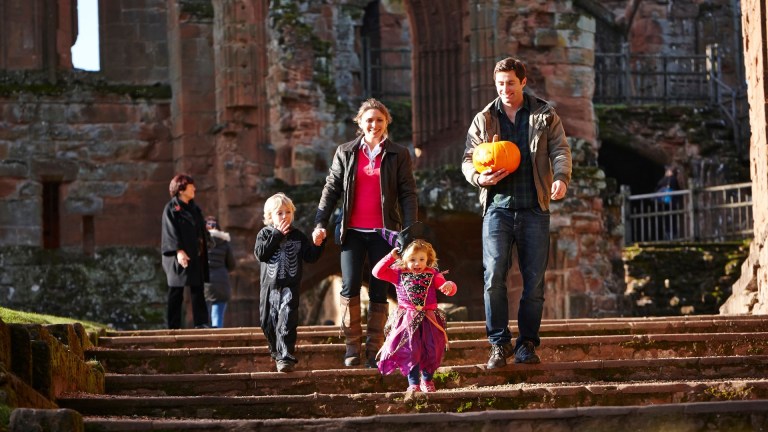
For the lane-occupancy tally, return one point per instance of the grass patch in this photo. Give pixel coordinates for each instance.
(10, 316)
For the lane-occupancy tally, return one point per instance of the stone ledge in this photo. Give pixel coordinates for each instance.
(38, 363)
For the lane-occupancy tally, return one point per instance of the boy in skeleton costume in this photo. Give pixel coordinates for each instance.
(281, 249)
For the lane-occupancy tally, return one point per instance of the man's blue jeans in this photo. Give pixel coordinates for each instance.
(529, 229)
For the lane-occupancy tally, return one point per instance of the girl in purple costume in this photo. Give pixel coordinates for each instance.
(416, 337)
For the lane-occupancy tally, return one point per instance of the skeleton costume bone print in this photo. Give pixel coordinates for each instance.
(285, 263)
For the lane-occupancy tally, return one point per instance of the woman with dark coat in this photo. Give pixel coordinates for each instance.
(185, 252)
(373, 178)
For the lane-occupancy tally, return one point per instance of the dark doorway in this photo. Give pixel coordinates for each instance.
(630, 168)
(51, 224)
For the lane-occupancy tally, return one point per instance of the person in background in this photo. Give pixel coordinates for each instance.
(373, 177)
(516, 206)
(668, 204)
(281, 249)
(221, 261)
(184, 246)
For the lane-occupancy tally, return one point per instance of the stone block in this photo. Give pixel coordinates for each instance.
(21, 353)
(46, 420)
(42, 369)
(19, 213)
(62, 170)
(14, 168)
(84, 205)
(580, 305)
(67, 335)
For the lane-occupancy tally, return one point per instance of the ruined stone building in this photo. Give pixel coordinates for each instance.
(252, 96)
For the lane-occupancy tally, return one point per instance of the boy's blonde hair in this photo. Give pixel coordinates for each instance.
(273, 203)
(416, 246)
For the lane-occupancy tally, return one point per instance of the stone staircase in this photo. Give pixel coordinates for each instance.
(672, 373)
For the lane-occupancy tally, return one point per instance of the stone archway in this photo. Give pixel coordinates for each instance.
(440, 89)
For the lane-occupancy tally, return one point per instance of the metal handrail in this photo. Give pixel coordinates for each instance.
(715, 213)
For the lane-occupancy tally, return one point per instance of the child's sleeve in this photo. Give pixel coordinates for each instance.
(383, 271)
(267, 243)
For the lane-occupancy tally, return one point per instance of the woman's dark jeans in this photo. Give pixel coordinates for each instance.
(357, 246)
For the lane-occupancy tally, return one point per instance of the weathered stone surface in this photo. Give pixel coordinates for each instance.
(681, 279)
(123, 287)
(42, 420)
(237, 93)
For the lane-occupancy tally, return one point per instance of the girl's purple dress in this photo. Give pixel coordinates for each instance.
(416, 329)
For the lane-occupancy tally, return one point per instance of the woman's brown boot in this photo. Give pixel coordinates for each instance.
(377, 318)
(352, 329)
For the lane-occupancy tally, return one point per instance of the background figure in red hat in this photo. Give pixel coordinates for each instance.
(416, 336)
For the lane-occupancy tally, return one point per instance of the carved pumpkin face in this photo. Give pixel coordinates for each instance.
(496, 155)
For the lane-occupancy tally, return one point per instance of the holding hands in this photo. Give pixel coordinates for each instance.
(318, 235)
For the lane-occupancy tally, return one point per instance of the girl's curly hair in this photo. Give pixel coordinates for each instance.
(416, 246)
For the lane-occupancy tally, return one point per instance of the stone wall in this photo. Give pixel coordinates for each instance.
(680, 279)
(253, 97)
(41, 363)
(107, 146)
(121, 287)
(750, 293)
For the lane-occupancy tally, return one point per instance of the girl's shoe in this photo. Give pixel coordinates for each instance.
(414, 388)
(428, 386)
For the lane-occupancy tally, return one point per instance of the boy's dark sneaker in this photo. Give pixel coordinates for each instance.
(499, 355)
(526, 353)
(285, 366)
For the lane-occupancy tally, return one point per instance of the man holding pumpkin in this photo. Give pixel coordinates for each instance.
(515, 202)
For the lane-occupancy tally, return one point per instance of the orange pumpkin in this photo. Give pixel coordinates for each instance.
(496, 155)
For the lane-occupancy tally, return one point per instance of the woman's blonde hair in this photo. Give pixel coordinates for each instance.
(370, 104)
(273, 203)
(417, 246)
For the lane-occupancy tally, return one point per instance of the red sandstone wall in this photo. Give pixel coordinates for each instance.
(133, 38)
(246, 109)
(750, 293)
(111, 154)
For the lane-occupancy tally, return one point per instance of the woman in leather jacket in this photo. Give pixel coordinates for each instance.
(373, 177)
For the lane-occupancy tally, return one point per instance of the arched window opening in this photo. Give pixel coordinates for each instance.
(386, 59)
(85, 52)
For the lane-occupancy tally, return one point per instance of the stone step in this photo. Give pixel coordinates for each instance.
(597, 322)
(348, 381)
(711, 416)
(462, 352)
(246, 336)
(509, 397)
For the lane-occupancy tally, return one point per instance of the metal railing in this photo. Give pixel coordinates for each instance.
(625, 78)
(717, 213)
